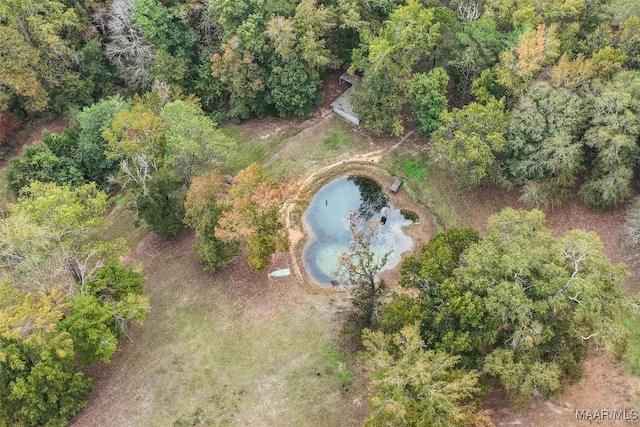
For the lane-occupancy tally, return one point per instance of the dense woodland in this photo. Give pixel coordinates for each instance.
(543, 96)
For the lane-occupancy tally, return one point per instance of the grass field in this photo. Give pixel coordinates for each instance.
(236, 348)
(422, 184)
(232, 348)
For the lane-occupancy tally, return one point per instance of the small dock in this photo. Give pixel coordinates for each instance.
(396, 185)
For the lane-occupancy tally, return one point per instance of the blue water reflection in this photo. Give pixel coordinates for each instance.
(327, 220)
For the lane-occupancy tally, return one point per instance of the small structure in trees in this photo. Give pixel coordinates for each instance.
(342, 105)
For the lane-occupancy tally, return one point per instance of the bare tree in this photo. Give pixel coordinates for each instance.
(469, 10)
(128, 49)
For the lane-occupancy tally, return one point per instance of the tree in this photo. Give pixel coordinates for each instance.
(174, 57)
(358, 269)
(193, 142)
(613, 135)
(427, 94)
(19, 79)
(66, 228)
(478, 46)
(411, 386)
(292, 90)
(92, 121)
(87, 322)
(387, 60)
(545, 152)
(128, 49)
(39, 384)
(513, 14)
(162, 207)
(45, 59)
(438, 259)
(254, 218)
(237, 68)
(520, 64)
(136, 140)
(471, 142)
(524, 305)
(204, 206)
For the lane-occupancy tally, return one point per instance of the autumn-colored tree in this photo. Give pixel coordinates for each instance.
(520, 65)
(572, 74)
(136, 140)
(205, 204)
(237, 68)
(255, 217)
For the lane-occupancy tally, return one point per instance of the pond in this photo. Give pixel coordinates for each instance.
(327, 220)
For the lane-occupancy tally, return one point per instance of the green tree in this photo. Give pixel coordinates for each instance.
(411, 386)
(204, 206)
(92, 121)
(438, 259)
(387, 60)
(427, 94)
(39, 384)
(162, 207)
(19, 79)
(255, 216)
(545, 152)
(67, 228)
(525, 305)
(471, 141)
(174, 41)
(88, 324)
(613, 135)
(291, 89)
(478, 44)
(55, 160)
(193, 143)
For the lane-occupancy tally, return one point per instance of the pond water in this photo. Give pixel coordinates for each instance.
(327, 219)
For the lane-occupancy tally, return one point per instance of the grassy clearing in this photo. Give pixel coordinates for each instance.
(422, 184)
(631, 323)
(247, 151)
(329, 141)
(209, 354)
